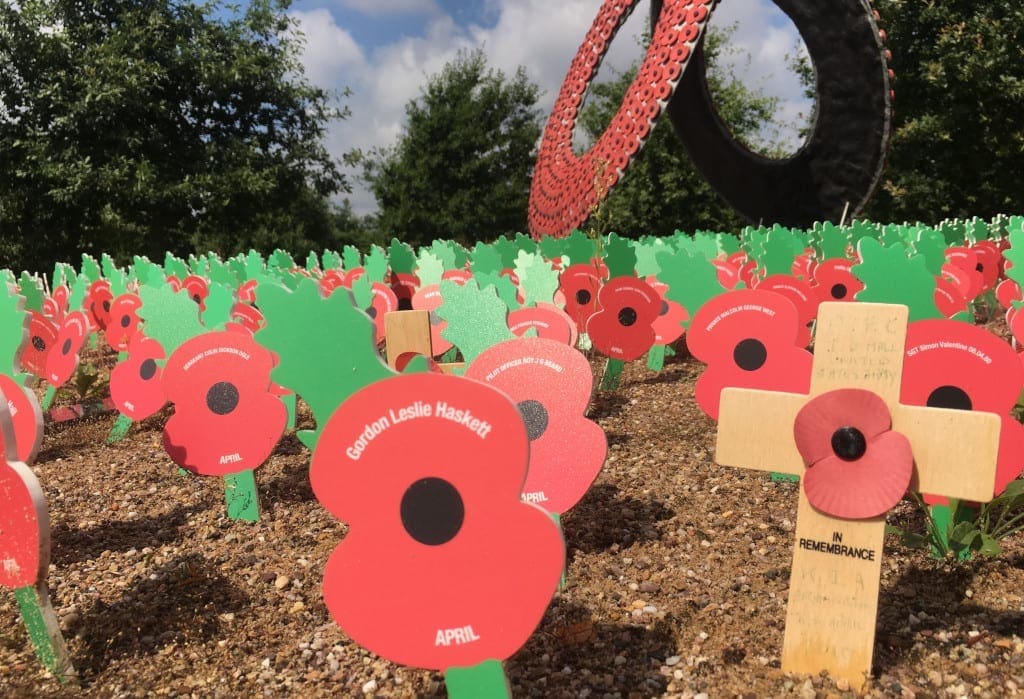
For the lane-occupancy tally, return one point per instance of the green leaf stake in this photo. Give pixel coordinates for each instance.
(619, 257)
(538, 279)
(692, 280)
(477, 318)
(400, 257)
(890, 276)
(325, 347)
(429, 268)
(486, 260)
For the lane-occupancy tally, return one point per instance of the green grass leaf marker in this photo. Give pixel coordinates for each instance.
(325, 346)
(890, 276)
(429, 268)
(619, 257)
(579, 247)
(929, 244)
(31, 288)
(538, 279)
(477, 318)
(1015, 255)
(503, 285)
(400, 257)
(692, 280)
(350, 259)
(486, 260)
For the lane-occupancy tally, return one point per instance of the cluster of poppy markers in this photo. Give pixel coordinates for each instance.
(512, 435)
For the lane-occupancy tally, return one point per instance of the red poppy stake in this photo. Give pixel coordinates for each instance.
(857, 450)
(25, 552)
(443, 567)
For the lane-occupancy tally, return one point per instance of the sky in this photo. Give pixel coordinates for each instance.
(383, 51)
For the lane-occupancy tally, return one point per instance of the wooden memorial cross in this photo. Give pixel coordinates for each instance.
(833, 593)
(409, 332)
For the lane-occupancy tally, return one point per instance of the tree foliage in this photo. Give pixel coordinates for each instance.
(662, 191)
(145, 126)
(461, 168)
(958, 141)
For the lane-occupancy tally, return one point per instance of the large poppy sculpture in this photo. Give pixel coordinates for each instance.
(955, 365)
(623, 328)
(748, 339)
(550, 383)
(443, 567)
(225, 419)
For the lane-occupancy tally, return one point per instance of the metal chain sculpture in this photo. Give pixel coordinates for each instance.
(835, 171)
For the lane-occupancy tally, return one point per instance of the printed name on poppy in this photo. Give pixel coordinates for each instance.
(942, 344)
(520, 361)
(419, 409)
(736, 309)
(212, 351)
(837, 549)
(458, 636)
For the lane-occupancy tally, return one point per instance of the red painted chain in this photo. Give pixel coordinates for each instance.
(567, 188)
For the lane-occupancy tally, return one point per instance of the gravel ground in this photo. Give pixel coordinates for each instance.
(677, 580)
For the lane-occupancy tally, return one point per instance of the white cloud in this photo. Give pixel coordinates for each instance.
(540, 35)
(377, 8)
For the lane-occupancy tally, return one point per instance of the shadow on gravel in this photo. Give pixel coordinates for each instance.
(606, 404)
(570, 638)
(73, 545)
(606, 516)
(181, 602)
(941, 595)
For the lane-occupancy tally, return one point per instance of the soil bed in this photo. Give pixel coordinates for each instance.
(677, 580)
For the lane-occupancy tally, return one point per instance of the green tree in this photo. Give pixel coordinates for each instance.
(662, 190)
(145, 126)
(461, 168)
(958, 138)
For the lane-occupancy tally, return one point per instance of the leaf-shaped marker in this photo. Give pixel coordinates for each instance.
(706, 244)
(63, 273)
(646, 260)
(477, 319)
(31, 288)
(779, 249)
(727, 243)
(506, 290)
(281, 259)
(13, 331)
(401, 257)
(579, 247)
(930, 245)
(219, 302)
(171, 317)
(1015, 254)
(312, 261)
(525, 243)
(692, 280)
(220, 273)
(506, 250)
(325, 347)
(350, 258)
(537, 278)
(486, 260)
(148, 272)
(444, 251)
(79, 288)
(429, 268)
(831, 241)
(376, 264)
(953, 231)
(619, 256)
(890, 276)
(553, 248)
(91, 268)
(175, 266)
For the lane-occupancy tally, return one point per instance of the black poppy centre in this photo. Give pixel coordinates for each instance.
(372, 312)
(222, 398)
(750, 354)
(848, 443)
(583, 297)
(39, 343)
(627, 316)
(839, 291)
(66, 347)
(147, 370)
(535, 416)
(952, 397)
(126, 320)
(432, 511)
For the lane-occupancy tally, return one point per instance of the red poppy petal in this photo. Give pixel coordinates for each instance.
(428, 298)
(819, 419)
(22, 508)
(865, 488)
(549, 323)
(26, 419)
(622, 329)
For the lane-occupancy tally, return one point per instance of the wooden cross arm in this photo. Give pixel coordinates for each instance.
(955, 451)
(755, 430)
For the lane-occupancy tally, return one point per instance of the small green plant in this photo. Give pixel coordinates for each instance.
(970, 528)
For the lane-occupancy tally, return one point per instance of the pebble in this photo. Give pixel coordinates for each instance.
(281, 582)
(370, 687)
(672, 660)
(807, 690)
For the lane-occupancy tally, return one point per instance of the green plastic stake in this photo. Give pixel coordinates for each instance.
(122, 424)
(656, 358)
(484, 681)
(785, 478)
(400, 257)
(612, 374)
(557, 519)
(44, 631)
(48, 397)
(538, 279)
(890, 276)
(290, 401)
(486, 260)
(324, 372)
(945, 518)
(477, 318)
(619, 257)
(692, 280)
(579, 247)
(241, 496)
(13, 333)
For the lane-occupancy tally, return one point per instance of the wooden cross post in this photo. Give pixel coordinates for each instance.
(833, 599)
(409, 332)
